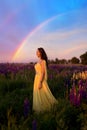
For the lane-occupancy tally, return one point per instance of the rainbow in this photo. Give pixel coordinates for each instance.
(22, 44)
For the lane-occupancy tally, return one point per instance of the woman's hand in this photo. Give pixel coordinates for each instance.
(40, 85)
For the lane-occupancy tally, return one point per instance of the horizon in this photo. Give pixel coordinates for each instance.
(36, 60)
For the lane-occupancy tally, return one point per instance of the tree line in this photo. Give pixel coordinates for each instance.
(74, 60)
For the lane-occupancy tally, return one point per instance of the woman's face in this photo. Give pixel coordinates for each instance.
(38, 53)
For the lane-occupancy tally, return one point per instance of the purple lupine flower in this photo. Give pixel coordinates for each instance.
(75, 98)
(34, 125)
(26, 107)
(80, 82)
(78, 100)
(83, 92)
(86, 84)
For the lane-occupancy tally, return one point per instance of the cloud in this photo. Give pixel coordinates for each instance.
(59, 35)
(76, 50)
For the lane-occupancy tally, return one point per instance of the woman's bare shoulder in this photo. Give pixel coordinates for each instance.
(43, 61)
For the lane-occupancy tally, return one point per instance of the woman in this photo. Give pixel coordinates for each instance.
(43, 100)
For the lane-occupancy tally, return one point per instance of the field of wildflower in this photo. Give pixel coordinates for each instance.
(68, 84)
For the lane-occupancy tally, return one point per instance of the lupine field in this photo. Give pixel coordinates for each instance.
(68, 84)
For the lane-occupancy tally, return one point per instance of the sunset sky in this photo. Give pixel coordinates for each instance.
(59, 26)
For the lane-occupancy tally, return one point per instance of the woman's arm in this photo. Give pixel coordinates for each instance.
(42, 70)
(42, 73)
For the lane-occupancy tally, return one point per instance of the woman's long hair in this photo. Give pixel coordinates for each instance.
(43, 55)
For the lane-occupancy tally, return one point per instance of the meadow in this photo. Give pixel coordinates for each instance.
(68, 84)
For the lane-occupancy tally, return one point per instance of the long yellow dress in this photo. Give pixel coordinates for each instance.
(43, 100)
